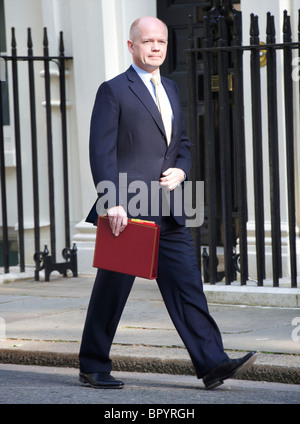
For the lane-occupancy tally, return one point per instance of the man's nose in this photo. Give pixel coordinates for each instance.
(155, 45)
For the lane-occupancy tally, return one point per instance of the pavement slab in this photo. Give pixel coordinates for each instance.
(41, 323)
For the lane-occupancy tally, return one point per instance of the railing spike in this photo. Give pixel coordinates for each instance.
(61, 43)
(13, 38)
(287, 30)
(45, 40)
(29, 39)
(237, 24)
(271, 32)
(254, 29)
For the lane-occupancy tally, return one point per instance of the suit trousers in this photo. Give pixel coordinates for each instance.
(180, 284)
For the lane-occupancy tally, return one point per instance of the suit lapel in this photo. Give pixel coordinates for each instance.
(137, 86)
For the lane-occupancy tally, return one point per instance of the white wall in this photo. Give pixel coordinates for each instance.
(100, 31)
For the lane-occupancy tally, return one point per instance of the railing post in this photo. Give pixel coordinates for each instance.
(289, 128)
(15, 83)
(225, 153)
(62, 86)
(35, 179)
(239, 144)
(210, 165)
(273, 151)
(3, 191)
(257, 151)
(50, 148)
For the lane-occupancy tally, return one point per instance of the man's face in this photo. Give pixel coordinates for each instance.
(149, 48)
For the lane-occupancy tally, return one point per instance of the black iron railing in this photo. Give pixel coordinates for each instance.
(222, 60)
(44, 260)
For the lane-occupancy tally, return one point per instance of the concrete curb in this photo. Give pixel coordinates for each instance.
(278, 297)
(267, 368)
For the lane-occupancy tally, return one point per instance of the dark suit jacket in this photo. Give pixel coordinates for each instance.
(127, 136)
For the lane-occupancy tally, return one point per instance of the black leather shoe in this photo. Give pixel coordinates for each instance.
(101, 380)
(228, 369)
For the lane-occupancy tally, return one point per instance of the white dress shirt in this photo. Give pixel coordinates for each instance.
(146, 78)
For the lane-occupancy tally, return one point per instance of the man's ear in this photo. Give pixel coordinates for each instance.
(130, 46)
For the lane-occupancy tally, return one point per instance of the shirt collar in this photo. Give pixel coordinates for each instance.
(144, 75)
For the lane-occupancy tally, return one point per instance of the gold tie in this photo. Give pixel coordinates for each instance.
(164, 109)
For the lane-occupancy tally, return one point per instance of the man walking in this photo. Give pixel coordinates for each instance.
(137, 128)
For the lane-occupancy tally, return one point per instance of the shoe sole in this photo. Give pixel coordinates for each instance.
(246, 365)
(87, 383)
(214, 384)
(238, 371)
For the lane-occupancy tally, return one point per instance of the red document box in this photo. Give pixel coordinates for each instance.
(133, 252)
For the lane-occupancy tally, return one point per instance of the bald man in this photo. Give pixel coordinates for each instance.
(138, 130)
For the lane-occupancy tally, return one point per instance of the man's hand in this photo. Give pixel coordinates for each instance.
(117, 219)
(171, 178)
